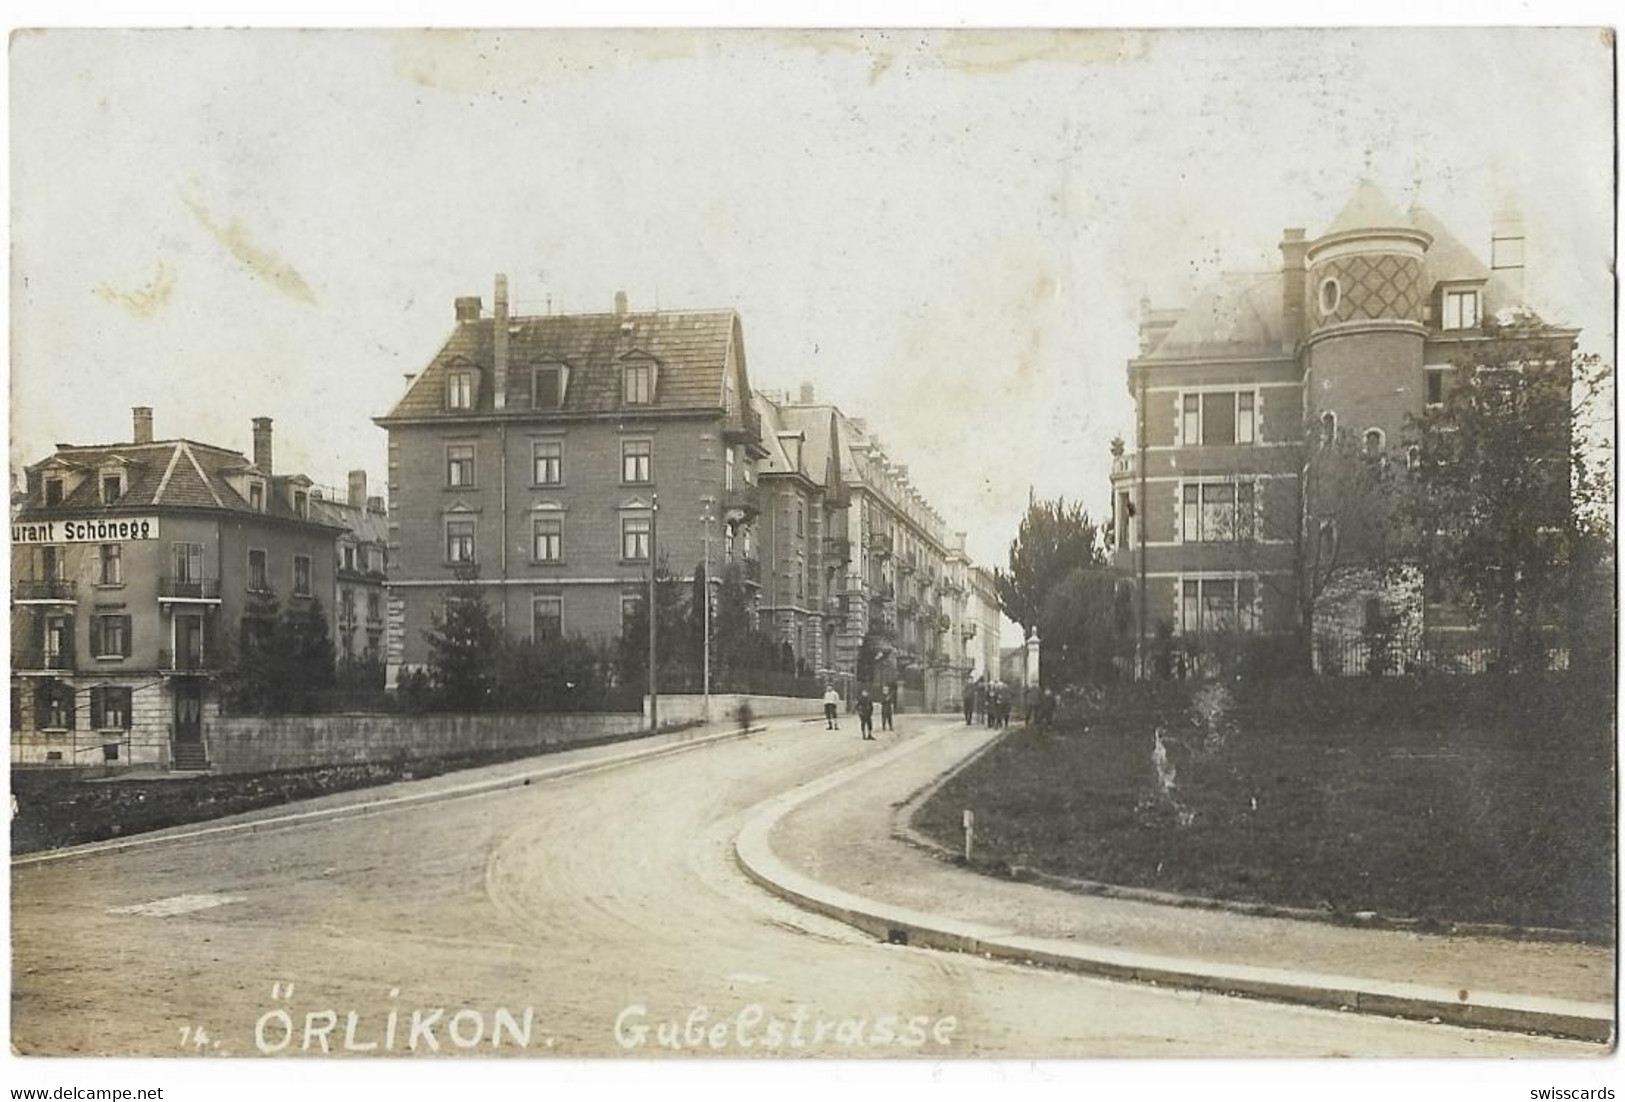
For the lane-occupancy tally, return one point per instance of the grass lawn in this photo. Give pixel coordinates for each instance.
(1495, 806)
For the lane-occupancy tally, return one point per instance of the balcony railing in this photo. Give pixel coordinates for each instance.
(837, 549)
(743, 501)
(188, 589)
(883, 592)
(33, 589)
(751, 569)
(881, 545)
(1123, 464)
(186, 661)
(36, 656)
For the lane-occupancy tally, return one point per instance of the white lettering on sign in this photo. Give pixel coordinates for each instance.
(107, 530)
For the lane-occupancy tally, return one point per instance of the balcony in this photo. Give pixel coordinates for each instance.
(751, 570)
(35, 657)
(881, 546)
(745, 429)
(883, 592)
(837, 549)
(1122, 464)
(905, 567)
(743, 502)
(35, 591)
(189, 589)
(196, 660)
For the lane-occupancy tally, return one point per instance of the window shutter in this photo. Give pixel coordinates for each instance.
(96, 706)
(129, 632)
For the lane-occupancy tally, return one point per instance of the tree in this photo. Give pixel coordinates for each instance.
(251, 681)
(1511, 496)
(1054, 539)
(1084, 628)
(678, 662)
(464, 643)
(307, 660)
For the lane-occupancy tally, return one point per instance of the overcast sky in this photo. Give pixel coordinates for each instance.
(947, 234)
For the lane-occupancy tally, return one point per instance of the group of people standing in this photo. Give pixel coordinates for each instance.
(988, 701)
(864, 706)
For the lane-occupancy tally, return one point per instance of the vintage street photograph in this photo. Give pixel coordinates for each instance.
(922, 545)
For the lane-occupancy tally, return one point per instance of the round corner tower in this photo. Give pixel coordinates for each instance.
(1363, 350)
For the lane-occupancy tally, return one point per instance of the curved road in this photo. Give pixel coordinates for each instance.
(577, 898)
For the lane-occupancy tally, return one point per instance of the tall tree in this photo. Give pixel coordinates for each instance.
(1511, 494)
(1054, 539)
(674, 636)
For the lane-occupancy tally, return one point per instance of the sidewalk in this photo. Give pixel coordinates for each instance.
(385, 797)
(835, 840)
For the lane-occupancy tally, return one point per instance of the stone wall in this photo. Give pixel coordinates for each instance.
(690, 707)
(246, 744)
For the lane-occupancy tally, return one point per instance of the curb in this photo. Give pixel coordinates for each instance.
(392, 803)
(1593, 1022)
(903, 830)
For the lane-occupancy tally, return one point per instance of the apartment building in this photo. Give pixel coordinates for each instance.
(356, 615)
(131, 567)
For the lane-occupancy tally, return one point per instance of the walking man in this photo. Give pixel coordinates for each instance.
(832, 706)
(866, 716)
(888, 701)
(970, 701)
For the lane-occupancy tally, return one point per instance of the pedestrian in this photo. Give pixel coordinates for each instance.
(888, 701)
(970, 701)
(866, 716)
(832, 705)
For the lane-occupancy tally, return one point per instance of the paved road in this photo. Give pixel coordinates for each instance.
(578, 899)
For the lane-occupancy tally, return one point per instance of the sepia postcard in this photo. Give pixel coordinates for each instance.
(811, 544)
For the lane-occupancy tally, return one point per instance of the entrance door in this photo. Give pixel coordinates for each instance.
(188, 712)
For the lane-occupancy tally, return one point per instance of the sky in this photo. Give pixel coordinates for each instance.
(946, 233)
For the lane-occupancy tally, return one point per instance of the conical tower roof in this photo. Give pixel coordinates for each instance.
(1368, 209)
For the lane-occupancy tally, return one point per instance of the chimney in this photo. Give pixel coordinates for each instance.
(143, 424)
(499, 345)
(468, 308)
(358, 489)
(621, 308)
(376, 505)
(262, 445)
(808, 395)
(1293, 284)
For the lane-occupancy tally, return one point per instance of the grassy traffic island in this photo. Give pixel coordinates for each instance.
(1440, 801)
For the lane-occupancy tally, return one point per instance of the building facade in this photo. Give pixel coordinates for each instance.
(132, 565)
(360, 561)
(546, 459)
(1359, 329)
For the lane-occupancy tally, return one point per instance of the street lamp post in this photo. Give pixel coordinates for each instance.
(706, 520)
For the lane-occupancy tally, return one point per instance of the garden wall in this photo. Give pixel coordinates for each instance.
(251, 744)
(690, 707)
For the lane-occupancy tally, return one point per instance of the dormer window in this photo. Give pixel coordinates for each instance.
(460, 390)
(1460, 308)
(301, 503)
(547, 385)
(53, 491)
(1374, 443)
(112, 486)
(256, 496)
(638, 383)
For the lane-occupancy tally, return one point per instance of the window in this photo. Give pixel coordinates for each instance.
(459, 541)
(110, 708)
(1216, 511)
(1461, 309)
(259, 579)
(1331, 296)
(110, 635)
(256, 496)
(459, 464)
(53, 491)
(58, 641)
(727, 468)
(188, 560)
(635, 539)
(53, 705)
(637, 384)
(547, 539)
(547, 388)
(374, 605)
(347, 557)
(460, 390)
(1413, 458)
(50, 564)
(636, 459)
(1216, 604)
(1328, 429)
(112, 487)
(546, 617)
(548, 459)
(1373, 443)
(629, 611)
(1435, 386)
(347, 607)
(801, 520)
(1218, 417)
(112, 564)
(301, 503)
(301, 575)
